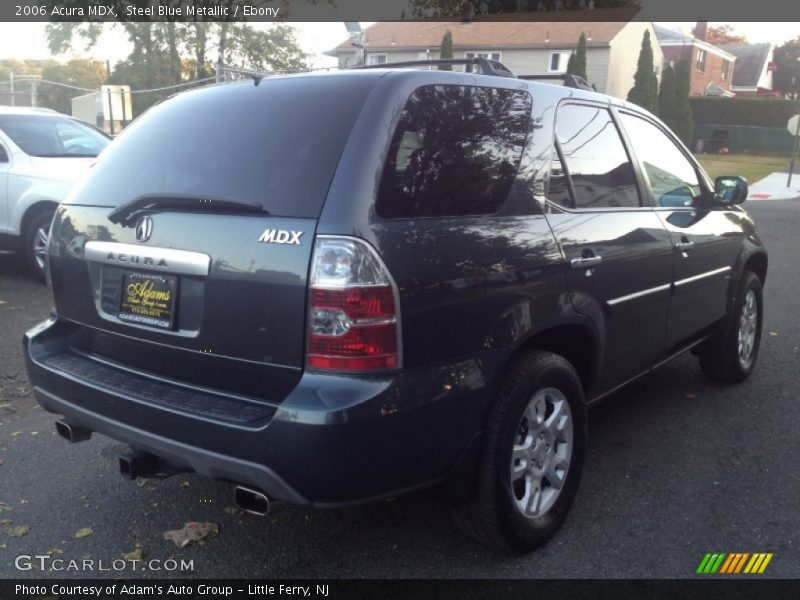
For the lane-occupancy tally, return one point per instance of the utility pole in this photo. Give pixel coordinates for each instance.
(35, 90)
(11, 88)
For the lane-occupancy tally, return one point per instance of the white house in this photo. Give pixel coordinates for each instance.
(526, 48)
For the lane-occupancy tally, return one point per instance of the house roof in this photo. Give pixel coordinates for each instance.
(750, 61)
(672, 37)
(390, 35)
(664, 34)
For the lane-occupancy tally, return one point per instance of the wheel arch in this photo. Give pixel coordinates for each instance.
(757, 263)
(576, 341)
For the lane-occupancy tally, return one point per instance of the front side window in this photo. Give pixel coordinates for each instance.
(53, 136)
(597, 164)
(456, 151)
(673, 179)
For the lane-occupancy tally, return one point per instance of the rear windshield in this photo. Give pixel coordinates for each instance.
(53, 137)
(275, 145)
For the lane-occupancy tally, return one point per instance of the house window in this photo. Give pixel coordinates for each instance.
(487, 55)
(377, 59)
(700, 65)
(558, 61)
(725, 69)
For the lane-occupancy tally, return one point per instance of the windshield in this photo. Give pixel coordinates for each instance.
(48, 136)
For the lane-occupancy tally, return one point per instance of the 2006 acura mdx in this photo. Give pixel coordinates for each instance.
(334, 288)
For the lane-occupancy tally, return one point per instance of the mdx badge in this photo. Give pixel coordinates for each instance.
(144, 228)
(281, 236)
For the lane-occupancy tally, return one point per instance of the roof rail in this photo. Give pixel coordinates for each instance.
(569, 80)
(488, 67)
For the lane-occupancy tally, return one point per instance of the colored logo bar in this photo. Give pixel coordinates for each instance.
(734, 563)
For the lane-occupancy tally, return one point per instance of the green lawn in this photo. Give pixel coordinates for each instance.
(749, 166)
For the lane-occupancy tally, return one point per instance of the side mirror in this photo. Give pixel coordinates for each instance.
(3, 154)
(730, 189)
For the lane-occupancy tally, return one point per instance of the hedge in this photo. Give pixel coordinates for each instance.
(753, 112)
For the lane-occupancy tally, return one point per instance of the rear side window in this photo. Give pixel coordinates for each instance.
(456, 151)
(276, 144)
(593, 159)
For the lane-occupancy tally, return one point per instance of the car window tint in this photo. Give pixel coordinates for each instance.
(53, 136)
(456, 151)
(597, 163)
(673, 178)
(275, 144)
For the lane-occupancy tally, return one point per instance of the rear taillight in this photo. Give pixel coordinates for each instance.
(353, 316)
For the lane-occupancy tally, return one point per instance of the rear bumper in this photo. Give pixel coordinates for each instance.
(334, 440)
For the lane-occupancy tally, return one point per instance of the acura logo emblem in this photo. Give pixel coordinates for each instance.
(144, 227)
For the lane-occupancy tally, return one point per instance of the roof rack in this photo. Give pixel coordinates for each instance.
(572, 81)
(488, 67)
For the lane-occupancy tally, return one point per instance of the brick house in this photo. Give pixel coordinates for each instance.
(712, 68)
(525, 47)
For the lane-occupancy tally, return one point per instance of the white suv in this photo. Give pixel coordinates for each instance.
(42, 154)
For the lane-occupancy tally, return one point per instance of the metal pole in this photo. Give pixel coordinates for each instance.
(11, 88)
(34, 93)
(794, 152)
(110, 111)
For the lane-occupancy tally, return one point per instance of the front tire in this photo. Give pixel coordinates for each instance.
(533, 455)
(35, 241)
(734, 359)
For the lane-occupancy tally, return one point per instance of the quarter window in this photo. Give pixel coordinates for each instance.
(597, 164)
(673, 179)
(456, 151)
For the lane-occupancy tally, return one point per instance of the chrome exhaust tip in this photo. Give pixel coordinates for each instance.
(72, 433)
(251, 501)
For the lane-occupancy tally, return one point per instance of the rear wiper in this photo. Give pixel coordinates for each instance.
(127, 213)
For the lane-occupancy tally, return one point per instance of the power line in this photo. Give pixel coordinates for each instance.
(83, 89)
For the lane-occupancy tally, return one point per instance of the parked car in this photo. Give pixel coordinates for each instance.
(42, 154)
(335, 288)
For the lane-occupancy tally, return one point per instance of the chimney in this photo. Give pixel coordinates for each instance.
(701, 30)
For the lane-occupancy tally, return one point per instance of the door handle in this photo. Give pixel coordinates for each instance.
(684, 246)
(586, 262)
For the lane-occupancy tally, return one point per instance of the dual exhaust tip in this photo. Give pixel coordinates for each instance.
(143, 464)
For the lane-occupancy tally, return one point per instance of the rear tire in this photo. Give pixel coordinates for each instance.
(532, 458)
(732, 360)
(35, 241)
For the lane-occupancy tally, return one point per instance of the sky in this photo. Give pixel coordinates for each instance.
(27, 40)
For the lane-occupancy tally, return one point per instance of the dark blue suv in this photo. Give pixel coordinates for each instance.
(334, 288)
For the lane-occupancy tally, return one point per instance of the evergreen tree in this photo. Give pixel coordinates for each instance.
(577, 60)
(645, 89)
(683, 125)
(446, 50)
(666, 96)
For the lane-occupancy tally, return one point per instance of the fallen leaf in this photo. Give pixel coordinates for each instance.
(231, 510)
(5, 521)
(18, 531)
(142, 482)
(2, 462)
(773, 333)
(85, 532)
(34, 433)
(183, 484)
(191, 533)
(137, 554)
(15, 434)
(7, 407)
(24, 501)
(54, 551)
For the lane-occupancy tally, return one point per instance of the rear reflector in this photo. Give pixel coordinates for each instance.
(353, 324)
